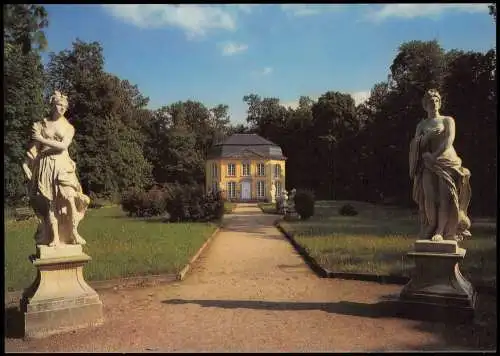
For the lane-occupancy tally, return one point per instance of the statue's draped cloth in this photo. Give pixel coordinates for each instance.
(448, 169)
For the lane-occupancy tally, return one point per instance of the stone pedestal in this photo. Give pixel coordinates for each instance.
(290, 213)
(59, 300)
(437, 288)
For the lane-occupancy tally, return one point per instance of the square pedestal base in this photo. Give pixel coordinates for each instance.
(437, 289)
(59, 300)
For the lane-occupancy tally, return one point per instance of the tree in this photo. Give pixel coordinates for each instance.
(493, 10)
(23, 26)
(23, 85)
(183, 162)
(109, 116)
(334, 120)
(471, 99)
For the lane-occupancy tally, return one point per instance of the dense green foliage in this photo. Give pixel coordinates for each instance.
(304, 203)
(186, 202)
(348, 210)
(357, 152)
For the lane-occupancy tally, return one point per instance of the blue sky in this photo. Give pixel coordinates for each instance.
(218, 53)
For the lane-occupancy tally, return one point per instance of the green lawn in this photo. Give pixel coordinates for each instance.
(229, 207)
(378, 238)
(268, 208)
(119, 246)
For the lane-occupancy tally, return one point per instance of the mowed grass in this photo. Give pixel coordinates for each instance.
(120, 246)
(229, 207)
(268, 208)
(377, 239)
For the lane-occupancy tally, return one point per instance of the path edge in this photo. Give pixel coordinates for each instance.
(383, 279)
(182, 274)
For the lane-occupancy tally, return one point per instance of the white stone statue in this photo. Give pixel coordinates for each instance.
(54, 190)
(291, 198)
(273, 193)
(440, 183)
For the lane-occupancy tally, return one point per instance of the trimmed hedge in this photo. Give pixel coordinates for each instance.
(180, 202)
(304, 203)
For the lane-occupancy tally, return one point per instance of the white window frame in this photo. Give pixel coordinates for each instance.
(214, 170)
(245, 173)
(215, 187)
(278, 186)
(277, 170)
(229, 171)
(261, 189)
(261, 169)
(231, 190)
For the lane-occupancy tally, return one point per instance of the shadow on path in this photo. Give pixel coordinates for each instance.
(14, 323)
(478, 335)
(378, 310)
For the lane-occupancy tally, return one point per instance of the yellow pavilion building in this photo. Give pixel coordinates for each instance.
(244, 167)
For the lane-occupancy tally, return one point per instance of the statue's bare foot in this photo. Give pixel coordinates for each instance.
(54, 243)
(78, 239)
(466, 234)
(437, 237)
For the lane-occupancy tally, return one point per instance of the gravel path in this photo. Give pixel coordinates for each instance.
(250, 291)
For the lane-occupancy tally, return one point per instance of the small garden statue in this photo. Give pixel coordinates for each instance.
(54, 190)
(280, 200)
(440, 183)
(290, 205)
(273, 193)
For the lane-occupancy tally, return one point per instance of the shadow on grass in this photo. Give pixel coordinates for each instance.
(14, 323)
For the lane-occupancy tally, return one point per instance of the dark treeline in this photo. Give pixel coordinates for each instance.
(337, 149)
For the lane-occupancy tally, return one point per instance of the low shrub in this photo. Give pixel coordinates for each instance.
(130, 201)
(145, 204)
(180, 202)
(348, 210)
(189, 203)
(304, 203)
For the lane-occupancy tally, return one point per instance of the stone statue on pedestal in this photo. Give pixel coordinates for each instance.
(59, 299)
(442, 192)
(54, 191)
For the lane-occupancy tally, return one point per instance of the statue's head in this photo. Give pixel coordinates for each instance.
(59, 102)
(431, 100)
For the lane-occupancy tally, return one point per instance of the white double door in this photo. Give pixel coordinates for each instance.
(246, 191)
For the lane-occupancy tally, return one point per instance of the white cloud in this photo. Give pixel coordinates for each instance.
(231, 48)
(267, 70)
(263, 71)
(360, 96)
(247, 8)
(194, 19)
(421, 10)
(299, 10)
(294, 104)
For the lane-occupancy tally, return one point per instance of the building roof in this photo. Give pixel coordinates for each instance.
(246, 146)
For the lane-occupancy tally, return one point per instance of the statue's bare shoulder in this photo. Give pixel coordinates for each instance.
(420, 127)
(448, 122)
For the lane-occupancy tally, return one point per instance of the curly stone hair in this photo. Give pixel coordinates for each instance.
(431, 93)
(59, 98)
